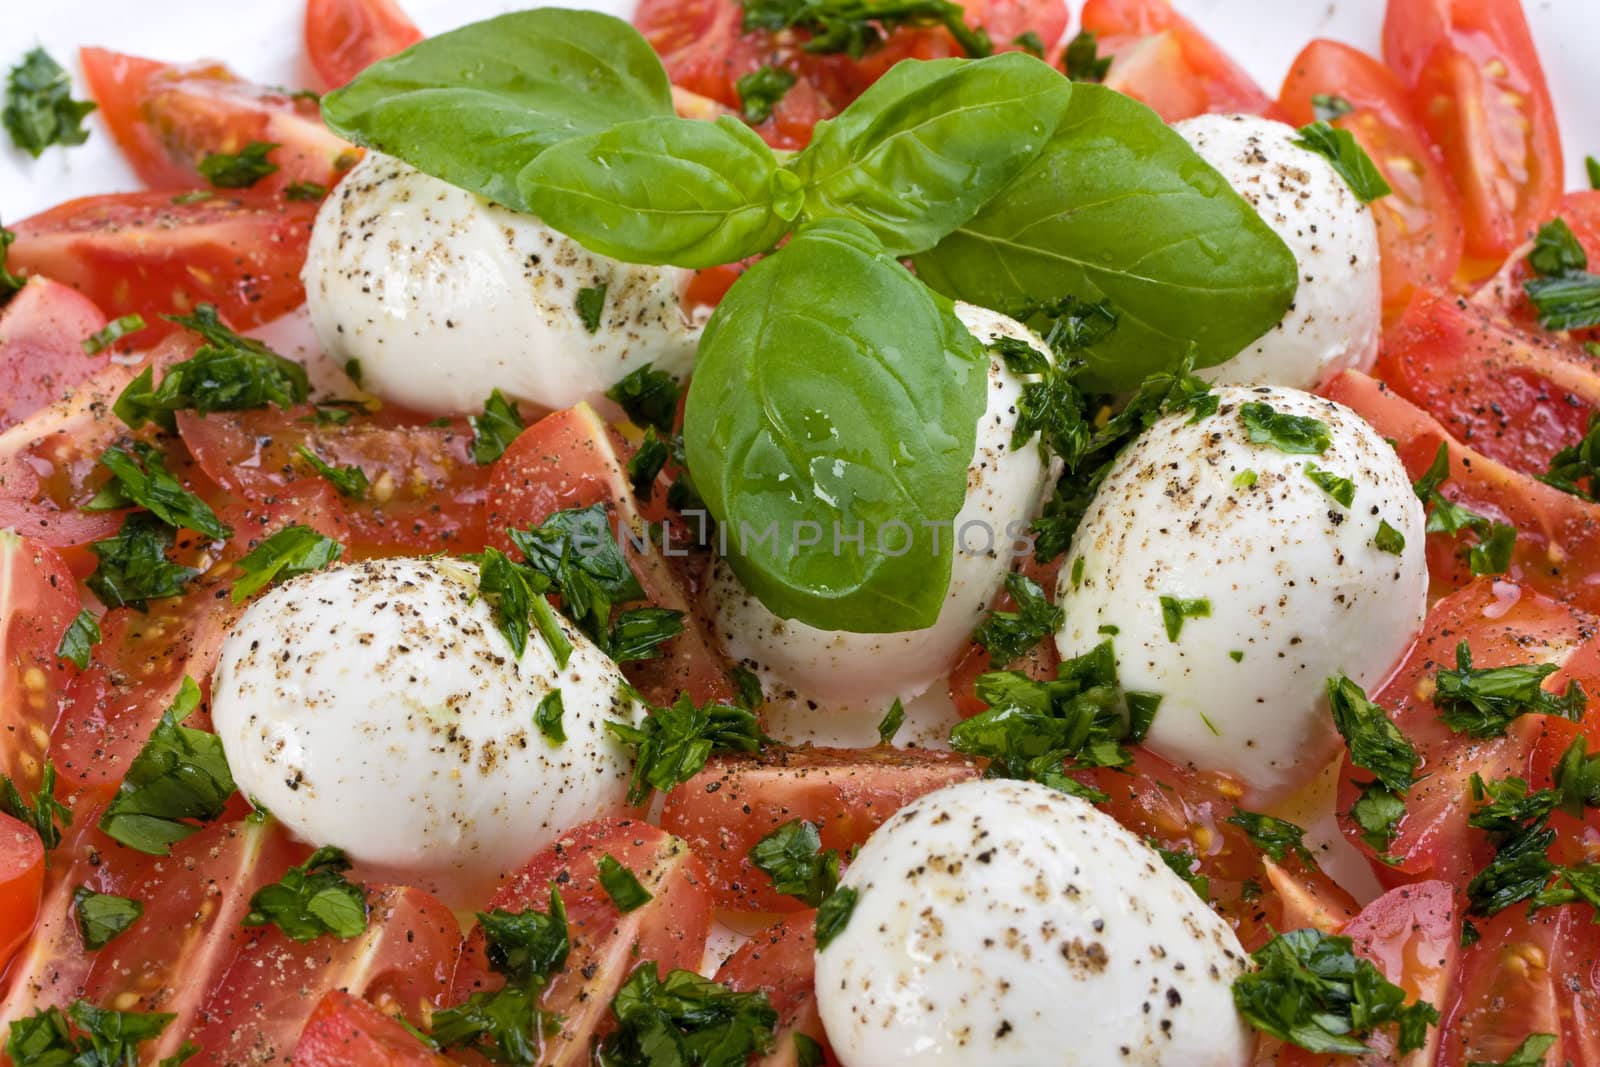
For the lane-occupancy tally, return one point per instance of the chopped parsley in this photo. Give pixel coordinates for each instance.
(1576, 779)
(1298, 435)
(1276, 837)
(239, 170)
(516, 594)
(1483, 702)
(1530, 1053)
(1185, 865)
(39, 110)
(1576, 468)
(1521, 866)
(548, 717)
(81, 635)
(1326, 106)
(1341, 490)
(86, 1036)
(1375, 742)
(1388, 539)
(793, 857)
(639, 633)
(111, 333)
(747, 689)
(1082, 60)
(591, 306)
(621, 885)
(833, 915)
(133, 568)
(179, 777)
(312, 899)
(684, 1020)
(351, 481)
(102, 916)
(761, 90)
(1566, 295)
(495, 429)
(1377, 813)
(807, 1052)
(140, 478)
(1010, 635)
(647, 463)
(1496, 540)
(672, 744)
(1030, 42)
(1351, 161)
(891, 722)
(292, 551)
(856, 27)
(305, 191)
(1311, 989)
(1174, 610)
(45, 815)
(1245, 479)
(10, 284)
(649, 398)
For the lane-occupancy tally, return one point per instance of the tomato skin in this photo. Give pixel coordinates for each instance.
(1476, 83)
(141, 253)
(346, 1031)
(345, 37)
(41, 347)
(1419, 224)
(848, 793)
(670, 929)
(37, 601)
(781, 962)
(403, 961)
(167, 118)
(1183, 74)
(21, 884)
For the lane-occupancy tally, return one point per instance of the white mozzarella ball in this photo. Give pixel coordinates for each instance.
(840, 669)
(1296, 586)
(1337, 315)
(377, 707)
(1007, 923)
(441, 297)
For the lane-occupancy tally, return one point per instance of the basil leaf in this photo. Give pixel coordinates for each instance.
(930, 143)
(102, 916)
(81, 635)
(39, 110)
(591, 305)
(548, 715)
(141, 478)
(293, 550)
(762, 90)
(1120, 209)
(793, 857)
(312, 899)
(133, 568)
(496, 428)
(622, 885)
(239, 171)
(665, 190)
(834, 915)
(648, 396)
(834, 393)
(47, 815)
(684, 1019)
(475, 105)
(1349, 159)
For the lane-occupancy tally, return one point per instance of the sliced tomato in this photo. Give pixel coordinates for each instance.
(606, 945)
(847, 793)
(168, 118)
(1504, 297)
(1476, 83)
(143, 253)
(345, 37)
(1558, 535)
(402, 963)
(346, 1031)
(42, 331)
(21, 884)
(1182, 74)
(37, 602)
(1186, 812)
(780, 961)
(1516, 398)
(1419, 223)
(425, 492)
(572, 459)
(1503, 624)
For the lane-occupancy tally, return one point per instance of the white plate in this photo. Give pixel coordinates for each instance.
(261, 40)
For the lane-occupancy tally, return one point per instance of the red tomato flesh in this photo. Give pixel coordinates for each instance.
(780, 961)
(1185, 75)
(37, 602)
(345, 37)
(346, 1031)
(21, 884)
(42, 331)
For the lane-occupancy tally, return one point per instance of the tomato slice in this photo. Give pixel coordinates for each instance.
(670, 929)
(37, 601)
(402, 963)
(1476, 83)
(736, 800)
(1419, 223)
(345, 37)
(346, 1031)
(143, 253)
(780, 961)
(41, 347)
(1518, 399)
(426, 493)
(1558, 535)
(1184, 74)
(21, 884)
(572, 459)
(1503, 624)
(168, 118)
(1504, 297)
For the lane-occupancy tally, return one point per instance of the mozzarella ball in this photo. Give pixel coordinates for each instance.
(1007, 923)
(442, 297)
(1005, 489)
(1337, 314)
(1286, 586)
(377, 707)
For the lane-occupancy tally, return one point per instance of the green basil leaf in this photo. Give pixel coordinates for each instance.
(474, 105)
(102, 916)
(834, 394)
(930, 143)
(665, 190)
(1119, 209)
(1349, 159)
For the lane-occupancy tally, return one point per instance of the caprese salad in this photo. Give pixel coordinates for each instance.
(803, 532)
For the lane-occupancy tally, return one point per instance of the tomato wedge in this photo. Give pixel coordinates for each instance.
(780, 961)
(346, 1031)
(345, 37)
(41, 347)
(1162, 60)
(735, 801)
(167, 118)
(1476, 83)
(606, 945)
(21, 883)
(1419, 223)
(144, 253)
(37, 601)
(402, 963)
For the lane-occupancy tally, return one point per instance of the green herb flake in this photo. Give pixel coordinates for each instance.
(891, 722)
(111, 333)
(132, 568)
(834, 915)
(102, 916)
(1377, 813)
(516, 593)
(1376, 744)
(1531, 1052)
(80, 636)
(140, 478)
(1245, 479)
(292, 551)
(1326, 107)
(591, 306)
(548, 717)
(1175, 610)
(793, 857)
(1082, 60)
(1566, 295)
(1030, 42)
(1341, 490)
(241, 170)
(1341, 149)
(1576, 779)
(1276, 837)
(1010, 635)
(1186, 865)
(684, 1019)
(46, 815)
(672, 744)
(646, 464)
(10, 284)
(312, 899)
(747, 688)
(649, 398)
(761, 90)
(1388, 539)
(305, 191)
(1295, 434)
(855, 28)
(350, 481)
(86, 1036)
(1576, 468)
(807, 1052)
(1237, 655)
(39, 110)
(1483, 702)
(495, 429)
(621, 885)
